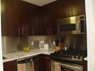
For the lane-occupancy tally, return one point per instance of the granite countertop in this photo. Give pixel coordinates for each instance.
(22, 54)
(85, 58)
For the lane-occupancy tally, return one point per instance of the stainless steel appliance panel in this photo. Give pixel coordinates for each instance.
(71, 25)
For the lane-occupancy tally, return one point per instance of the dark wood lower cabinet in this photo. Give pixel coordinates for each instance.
(44, 63)
(11, 69)
(85, 66)
(10, 66)
(47, 64)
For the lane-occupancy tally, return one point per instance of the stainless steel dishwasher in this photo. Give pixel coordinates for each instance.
(28, 64)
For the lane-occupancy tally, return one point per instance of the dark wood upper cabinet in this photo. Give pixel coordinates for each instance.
(63, 8)
(3, 18)
(20, 18)
(13, 17)
(49, 18)
(77, 7)
(68, 8)
(29, 18)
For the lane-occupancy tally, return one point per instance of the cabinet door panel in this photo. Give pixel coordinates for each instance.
(47, 65)
(3, 18)
(63, 7)
(29, 18)
(78, 7)
(50, 18)
(13, 69)
(85, 66)
(13, 17)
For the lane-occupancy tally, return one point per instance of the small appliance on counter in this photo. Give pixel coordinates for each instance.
(46, 46)
(41, 44)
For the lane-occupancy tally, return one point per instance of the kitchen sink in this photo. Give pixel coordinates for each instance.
(4, 57)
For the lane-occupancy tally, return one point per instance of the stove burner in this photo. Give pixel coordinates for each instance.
(69, 55)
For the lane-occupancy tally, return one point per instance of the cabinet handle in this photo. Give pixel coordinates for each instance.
(33, 31)
(71, 12)
(19, 31)
(22, 31)
(48, 31)
(68, 13)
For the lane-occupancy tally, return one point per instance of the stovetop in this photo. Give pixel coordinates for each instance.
(69, 56)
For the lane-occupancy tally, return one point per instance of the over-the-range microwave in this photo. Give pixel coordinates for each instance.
(71, 25)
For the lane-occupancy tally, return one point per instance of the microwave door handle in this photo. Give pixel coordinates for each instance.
(78, 26)
(70, 66)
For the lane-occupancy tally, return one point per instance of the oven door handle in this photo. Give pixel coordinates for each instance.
(71, 66)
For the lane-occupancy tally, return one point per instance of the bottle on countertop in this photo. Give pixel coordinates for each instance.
(57, 45)
(62, 43)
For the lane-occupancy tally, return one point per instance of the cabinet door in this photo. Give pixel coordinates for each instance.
(13, 69)
(3, 18)
(29, 19)
(47, 64)
(10, 66)
(50, 18)
(13, 17)
(85, 66)
(41, 63)
(77, 7)
(45, 20)
(63, 8)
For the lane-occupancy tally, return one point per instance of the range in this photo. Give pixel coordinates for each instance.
(71, 56)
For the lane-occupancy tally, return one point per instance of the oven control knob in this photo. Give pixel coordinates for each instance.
(74, 56)
(78, 57)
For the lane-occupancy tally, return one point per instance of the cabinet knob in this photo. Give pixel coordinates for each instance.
(71, 11)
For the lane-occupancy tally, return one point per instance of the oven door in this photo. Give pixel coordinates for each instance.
(71, 67)
(57, 66)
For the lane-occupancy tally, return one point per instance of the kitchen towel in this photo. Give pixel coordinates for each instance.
(57, 66)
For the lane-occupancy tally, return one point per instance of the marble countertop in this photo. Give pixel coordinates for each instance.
(22, 54)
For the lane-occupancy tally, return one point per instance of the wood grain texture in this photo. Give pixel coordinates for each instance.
(85, 66)
(3, 18)
(9, 66)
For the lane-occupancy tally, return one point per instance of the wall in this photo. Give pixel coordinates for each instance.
(1, 60)
(11, 44)
(77, 42)
(90, 16)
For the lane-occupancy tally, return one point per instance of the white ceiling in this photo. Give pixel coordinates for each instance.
(39, 2)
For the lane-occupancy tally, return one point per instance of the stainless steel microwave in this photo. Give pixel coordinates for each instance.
(71, 25)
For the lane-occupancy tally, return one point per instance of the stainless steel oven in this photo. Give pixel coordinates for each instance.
(60, 66)
(71, 25)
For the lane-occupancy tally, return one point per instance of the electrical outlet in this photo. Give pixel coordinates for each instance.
(53, 42)
(32, 42)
